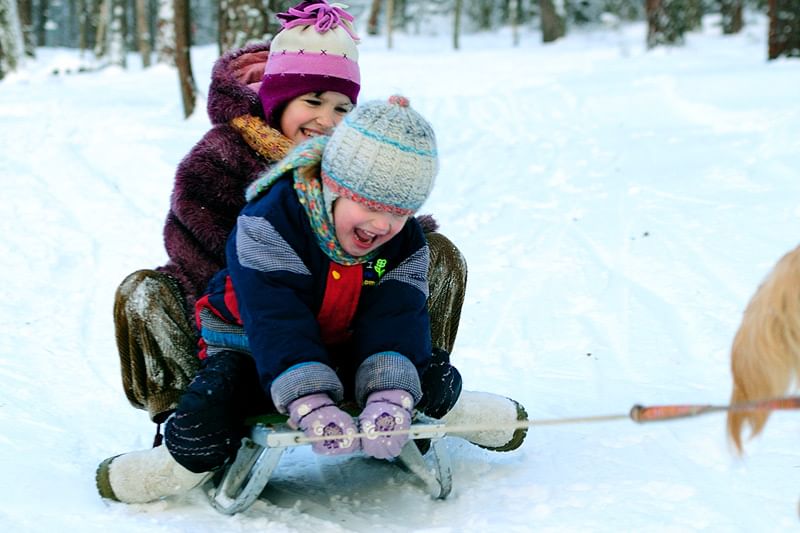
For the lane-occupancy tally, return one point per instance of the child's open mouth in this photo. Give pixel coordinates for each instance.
(364, 238)
(310, 133)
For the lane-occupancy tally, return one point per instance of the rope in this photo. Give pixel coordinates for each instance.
(638, 413)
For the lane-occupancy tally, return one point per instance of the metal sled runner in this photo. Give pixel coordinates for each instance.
(246, 477)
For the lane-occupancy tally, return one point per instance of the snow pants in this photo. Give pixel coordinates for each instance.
(157, 341)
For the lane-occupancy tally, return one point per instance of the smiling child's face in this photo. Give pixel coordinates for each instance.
(360, 229)
(312, 114)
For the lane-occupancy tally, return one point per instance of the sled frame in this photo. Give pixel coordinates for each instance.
(244, 479)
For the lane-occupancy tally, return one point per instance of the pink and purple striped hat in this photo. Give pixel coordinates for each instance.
(314, 52)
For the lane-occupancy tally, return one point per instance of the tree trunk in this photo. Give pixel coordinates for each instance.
(731, 11)
(183, 59)
(553, 23)
(784, 28)
(12, 47)
(389, 17)
(41, 24)
(70, 30)
(103, 17)
(116, 34)
(374, 15)
(25, 9)
(165, 33)
(143, 30)
(694, 14)
(457, 24)
(513, 11)
(83, 23)
(482, 11)
(666, 22)
(90, 17)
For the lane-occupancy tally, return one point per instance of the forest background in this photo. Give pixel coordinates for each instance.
(163, 31)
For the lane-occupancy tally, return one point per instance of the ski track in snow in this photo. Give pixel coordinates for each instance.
(617, 208)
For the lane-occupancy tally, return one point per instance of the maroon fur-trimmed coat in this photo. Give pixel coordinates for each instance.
(210, 181)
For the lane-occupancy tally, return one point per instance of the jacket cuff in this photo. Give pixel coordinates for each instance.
(387, 370)
(302, 380)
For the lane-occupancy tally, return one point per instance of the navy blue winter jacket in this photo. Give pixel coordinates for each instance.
(313, 325)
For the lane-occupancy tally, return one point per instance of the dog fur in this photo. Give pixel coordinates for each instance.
(765, 356)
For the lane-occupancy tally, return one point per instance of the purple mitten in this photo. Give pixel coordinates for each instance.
(387, 410)
(317, 416)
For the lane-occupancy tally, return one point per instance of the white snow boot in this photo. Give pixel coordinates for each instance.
(482, 410)
(145, 476)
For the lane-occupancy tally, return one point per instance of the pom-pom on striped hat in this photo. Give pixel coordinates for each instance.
(382, 155)
(314, 52)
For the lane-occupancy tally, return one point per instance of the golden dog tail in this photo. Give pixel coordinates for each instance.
(765, 356)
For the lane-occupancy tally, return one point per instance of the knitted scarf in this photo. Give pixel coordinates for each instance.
(269, 142)
(304, 163)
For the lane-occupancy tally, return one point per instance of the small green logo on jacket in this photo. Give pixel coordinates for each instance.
(374, 271)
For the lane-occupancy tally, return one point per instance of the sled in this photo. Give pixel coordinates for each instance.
(245, 478)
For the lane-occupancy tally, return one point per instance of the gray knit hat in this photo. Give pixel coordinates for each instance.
(382, 155)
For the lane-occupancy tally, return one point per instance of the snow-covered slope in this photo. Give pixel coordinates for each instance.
(617, 208)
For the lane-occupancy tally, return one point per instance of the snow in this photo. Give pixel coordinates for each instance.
(617, 207)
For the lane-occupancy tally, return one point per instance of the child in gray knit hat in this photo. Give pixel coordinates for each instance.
(327, 284)
(323, 301)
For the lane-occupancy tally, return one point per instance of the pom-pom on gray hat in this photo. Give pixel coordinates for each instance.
(382, 155)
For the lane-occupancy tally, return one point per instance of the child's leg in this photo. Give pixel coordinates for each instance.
(208, 425)
(488, 420)
(441, 383)
(204, 432)
(155, 340)
(447, 282)
(145, 476)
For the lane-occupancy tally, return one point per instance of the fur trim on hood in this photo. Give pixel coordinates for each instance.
(235, 81)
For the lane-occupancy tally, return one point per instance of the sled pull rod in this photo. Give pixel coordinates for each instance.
(638, 413)
(655, 413)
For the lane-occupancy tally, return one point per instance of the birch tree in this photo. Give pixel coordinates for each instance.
(12, 47)
(165, 33)
(116, 34)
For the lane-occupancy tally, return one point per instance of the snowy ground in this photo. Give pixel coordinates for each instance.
(617, 208)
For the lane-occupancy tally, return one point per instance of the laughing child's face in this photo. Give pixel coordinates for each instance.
(360, 229)
(312, 114)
